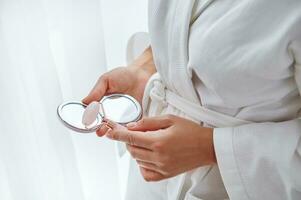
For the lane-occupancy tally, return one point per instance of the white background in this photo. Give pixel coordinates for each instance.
(52, 51)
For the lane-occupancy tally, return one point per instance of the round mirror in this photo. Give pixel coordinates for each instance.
(71, 113)
(119, 108)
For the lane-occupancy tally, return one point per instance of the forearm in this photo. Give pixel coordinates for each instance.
(145, 63)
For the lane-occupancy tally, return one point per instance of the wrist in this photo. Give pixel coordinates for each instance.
(144, 63)
(214, 160)
(211, 157)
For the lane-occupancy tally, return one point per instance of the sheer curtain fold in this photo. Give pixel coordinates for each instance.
(53, 51)
(37, 154)
(39, 60)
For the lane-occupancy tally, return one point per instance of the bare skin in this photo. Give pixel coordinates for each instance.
(129, 80)
(163, 146)
(166, 146)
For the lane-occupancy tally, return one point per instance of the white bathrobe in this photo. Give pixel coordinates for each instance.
(234, 65)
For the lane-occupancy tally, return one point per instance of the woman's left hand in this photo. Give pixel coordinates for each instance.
(166, 146)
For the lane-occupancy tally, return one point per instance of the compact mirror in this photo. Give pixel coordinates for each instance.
(119, 108)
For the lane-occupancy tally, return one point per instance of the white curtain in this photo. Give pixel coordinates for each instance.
(52, 51)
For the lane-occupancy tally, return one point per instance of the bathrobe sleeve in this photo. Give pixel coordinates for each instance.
(262, 160)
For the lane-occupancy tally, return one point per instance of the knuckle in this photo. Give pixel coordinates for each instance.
(114, 135)
(158, 146)
(139, 163)
(133, 153)
(131, 139)
(128, 147)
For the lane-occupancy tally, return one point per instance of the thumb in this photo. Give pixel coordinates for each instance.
(151, 123)
(98, 91)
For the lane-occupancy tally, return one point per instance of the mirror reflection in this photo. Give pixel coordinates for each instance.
(71, 115)
(119, 108)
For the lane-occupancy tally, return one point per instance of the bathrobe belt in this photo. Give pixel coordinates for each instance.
(161, 97)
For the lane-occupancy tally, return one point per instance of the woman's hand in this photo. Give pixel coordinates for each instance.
(166, 146)
(129, 80)
(125, 80)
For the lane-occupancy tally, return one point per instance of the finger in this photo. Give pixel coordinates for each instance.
(152, 123)
(150, 175)
(141, 154)
(112, 124)
(102, 131)
(139, 139)
(98, 91)
(149, 166)
(134, 138)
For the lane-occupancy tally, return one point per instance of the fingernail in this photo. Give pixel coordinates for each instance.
(131, 125)
(109, 124)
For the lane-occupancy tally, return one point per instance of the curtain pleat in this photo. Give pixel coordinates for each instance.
(53, 51)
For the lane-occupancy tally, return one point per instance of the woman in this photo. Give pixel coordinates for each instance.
(220, 87)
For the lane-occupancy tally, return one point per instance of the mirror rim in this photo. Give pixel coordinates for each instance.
(68, 125)
(93, 129)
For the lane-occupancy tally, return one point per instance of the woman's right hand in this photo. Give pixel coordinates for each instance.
(126, 80)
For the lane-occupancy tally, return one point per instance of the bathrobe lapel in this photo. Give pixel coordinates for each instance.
(178, 75)
(178, 48)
